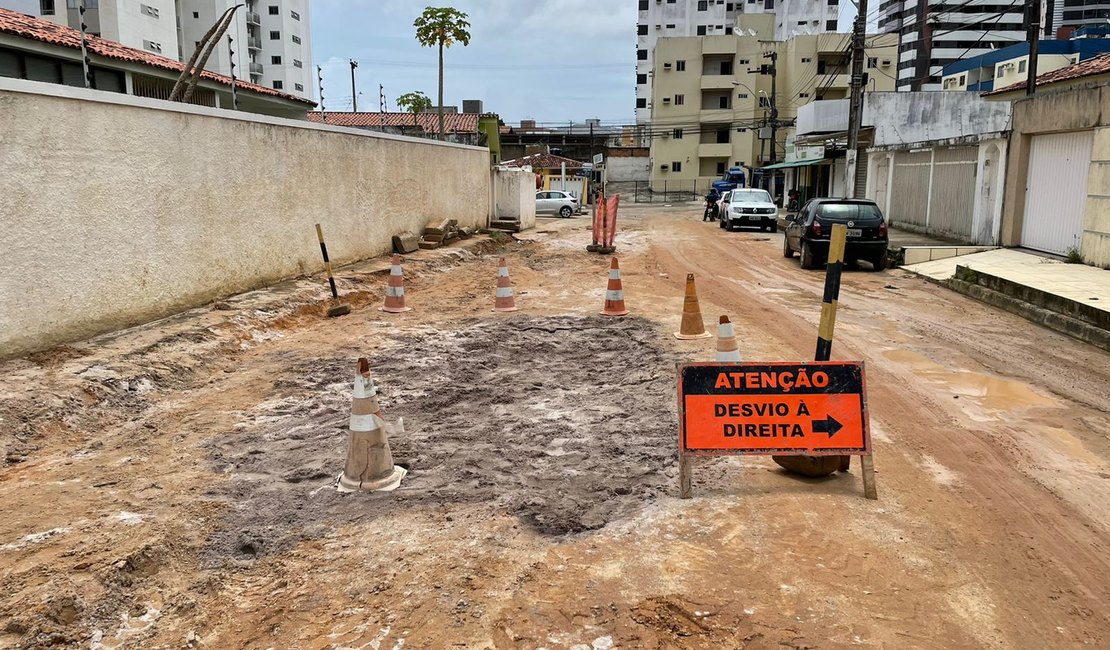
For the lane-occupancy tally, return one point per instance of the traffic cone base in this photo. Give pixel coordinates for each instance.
(503, 297)
(614, 292)
(693, 327)
(369, 465)
(728, 350)
(395, 289)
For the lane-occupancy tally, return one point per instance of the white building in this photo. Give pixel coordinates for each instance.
(935, 33)
(665, 18)
(270, 38)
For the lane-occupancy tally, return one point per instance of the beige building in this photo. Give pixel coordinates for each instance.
(711, 95)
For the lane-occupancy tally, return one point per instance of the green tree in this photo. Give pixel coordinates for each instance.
(442, 27)
(414, 102)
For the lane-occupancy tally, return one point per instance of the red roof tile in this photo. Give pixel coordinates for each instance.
(429, 122)
(1093, 66)
(15, 23)
(543, 161)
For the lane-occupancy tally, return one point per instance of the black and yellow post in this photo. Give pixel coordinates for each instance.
(336, 308)
(833, 268)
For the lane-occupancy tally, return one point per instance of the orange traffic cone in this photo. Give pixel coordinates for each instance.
(369, 463)
(727, 349)
(614, 294)
(693, 327)
(503, 297)
(395, 289)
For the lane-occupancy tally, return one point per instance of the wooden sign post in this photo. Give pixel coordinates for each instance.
(815, 408)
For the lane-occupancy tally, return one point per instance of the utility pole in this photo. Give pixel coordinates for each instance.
(774, 56)
(320, 80)
(1033, 20)
(231, 60)
(855, 105)
(381, 108)
(84, 45)
(354, 95)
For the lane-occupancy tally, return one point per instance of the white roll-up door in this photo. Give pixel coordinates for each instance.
(1056, 191)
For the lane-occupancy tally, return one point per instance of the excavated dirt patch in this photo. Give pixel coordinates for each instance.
(566, 422)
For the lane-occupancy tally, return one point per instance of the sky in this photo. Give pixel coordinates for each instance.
(548, 60)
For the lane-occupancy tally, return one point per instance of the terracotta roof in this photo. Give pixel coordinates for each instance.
(429, 122)
(17, 24)
(1093, 66)
(543, 161)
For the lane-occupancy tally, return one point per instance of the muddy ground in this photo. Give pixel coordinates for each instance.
(171, 485)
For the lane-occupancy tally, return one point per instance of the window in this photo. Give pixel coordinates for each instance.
(743, 62)
(722, 101)
(275, 36)
(679, 100)
(680, 66)
(299, 87)
(807, 59)
(720, 168)
(803, 95)
(728, 7)
(768, 4)
(274, 10)
(677, 134)
(670, 25)
(147, 10)
(294, 15)
(742, 96)
(830, 25)
(703, 5)
(641, 102)
(278, 85)
(701, 30)
(152, 46)
(726, 67)
(801, 23)
(296, 39)
(89, 4)
(641, 55)
(641, 30)
(872, 62)
(643, 5)
(297, 64)
(46, 7)
(676, 166)
(641, 78)
(1021, 65)
(999, 73)
(722, 136)
(196, 14)
(728, 30)
(276, 60)
(963, 80)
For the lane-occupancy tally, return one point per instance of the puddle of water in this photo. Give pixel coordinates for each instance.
(991, 392)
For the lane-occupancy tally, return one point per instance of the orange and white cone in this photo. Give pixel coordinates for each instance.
(395, 289)
(503, 298)
(614, 293)
(369, 465)
(693, 327)
(728, 351)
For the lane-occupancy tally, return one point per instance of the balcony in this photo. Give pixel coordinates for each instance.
(255, 68)
(715, 150)
(726, 115)
(718, 45)
(717, 82)
(834, 81)
(254, 42)
(253, 18)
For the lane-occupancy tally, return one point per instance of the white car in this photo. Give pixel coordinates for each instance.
(557, 202)
(750, 207)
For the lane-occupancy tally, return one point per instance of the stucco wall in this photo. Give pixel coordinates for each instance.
(119, 209)
(903, 118)
(514, 194)
(632, 168)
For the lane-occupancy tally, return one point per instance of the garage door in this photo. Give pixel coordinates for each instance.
(1056, 191)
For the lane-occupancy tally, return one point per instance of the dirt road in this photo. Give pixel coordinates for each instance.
(170, 485)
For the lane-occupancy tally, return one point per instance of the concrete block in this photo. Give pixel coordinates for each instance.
(406, 242)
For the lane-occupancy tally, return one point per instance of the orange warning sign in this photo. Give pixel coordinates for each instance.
(773, 408)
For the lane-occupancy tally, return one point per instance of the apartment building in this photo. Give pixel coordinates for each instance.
(1005, 67)
(935, 34)
(270, 38)
(712, 98)
(670, 18)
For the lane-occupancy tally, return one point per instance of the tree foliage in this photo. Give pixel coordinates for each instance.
(442, 26)
(414, 102)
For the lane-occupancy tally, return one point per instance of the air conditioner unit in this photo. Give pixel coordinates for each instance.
(886, 62)
(664, 167)
(666, 100)
(667, 66)
(658, 27)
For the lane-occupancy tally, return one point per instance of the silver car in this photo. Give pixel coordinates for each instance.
(557, 202)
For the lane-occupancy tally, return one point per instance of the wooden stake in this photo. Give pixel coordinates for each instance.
(685, 489)
(867, 462)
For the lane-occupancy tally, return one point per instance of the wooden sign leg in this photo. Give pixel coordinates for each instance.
(685, 490)
(867, 462)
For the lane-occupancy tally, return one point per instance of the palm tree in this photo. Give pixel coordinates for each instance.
(414, 102)
(443, 27)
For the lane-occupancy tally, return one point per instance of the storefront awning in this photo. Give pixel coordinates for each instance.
(797, 163)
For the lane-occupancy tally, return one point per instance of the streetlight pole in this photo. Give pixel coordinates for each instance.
(354, 95)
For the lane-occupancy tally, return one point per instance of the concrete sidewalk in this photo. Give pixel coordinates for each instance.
(1077, 282)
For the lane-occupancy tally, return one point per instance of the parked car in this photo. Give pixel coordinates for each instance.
(750, 207)
(808, 232)
(557, 202)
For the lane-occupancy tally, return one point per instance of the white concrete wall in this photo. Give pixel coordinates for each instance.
(902, 118)
(514, 196)
(120, 209)
(621, 170)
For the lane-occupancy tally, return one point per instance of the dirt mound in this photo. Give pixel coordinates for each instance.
(567, 422)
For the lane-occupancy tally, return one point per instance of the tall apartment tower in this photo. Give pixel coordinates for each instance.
(666, 18)
(270, 38)
(935, 33)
